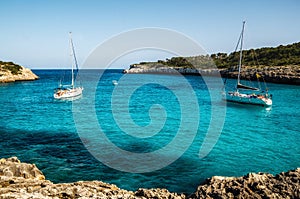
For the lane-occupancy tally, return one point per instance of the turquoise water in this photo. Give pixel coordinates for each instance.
(54, 134)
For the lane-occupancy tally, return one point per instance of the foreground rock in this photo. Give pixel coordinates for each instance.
(261, 185)
(21, 180)
(22, 74)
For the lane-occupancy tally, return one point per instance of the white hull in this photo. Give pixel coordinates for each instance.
(248, 99)
(68, 93)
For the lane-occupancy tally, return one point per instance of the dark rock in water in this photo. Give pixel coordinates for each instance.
(22, 180)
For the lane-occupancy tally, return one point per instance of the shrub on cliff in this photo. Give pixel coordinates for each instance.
(268, 56)
(15, 69)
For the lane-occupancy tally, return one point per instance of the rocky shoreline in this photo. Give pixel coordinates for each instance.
(22, 180)
(275, 74)
(24, 74)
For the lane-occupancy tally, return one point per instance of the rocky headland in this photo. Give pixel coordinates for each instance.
(275, 74)
(10, 72)
(23, 180)
(279, 64)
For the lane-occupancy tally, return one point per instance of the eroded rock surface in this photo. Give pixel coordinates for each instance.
(260, 185)
(22, 180)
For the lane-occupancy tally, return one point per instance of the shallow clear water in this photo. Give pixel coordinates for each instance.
(44, 131)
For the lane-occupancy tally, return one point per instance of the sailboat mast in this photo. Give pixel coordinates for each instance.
(72, 54)
(241, 52)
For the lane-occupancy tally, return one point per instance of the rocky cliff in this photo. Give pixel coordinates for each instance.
(275, 74)
(12, 73)
(22, 180)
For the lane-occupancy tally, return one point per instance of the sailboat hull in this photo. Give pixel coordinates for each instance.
(68, 93)
(237, 97)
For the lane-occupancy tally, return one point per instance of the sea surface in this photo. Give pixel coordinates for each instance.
(61, 138)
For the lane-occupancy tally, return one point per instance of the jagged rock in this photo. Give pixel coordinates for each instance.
(27, 181)
(21, 180)
(260, 185)
(158, 193)
(12, 167)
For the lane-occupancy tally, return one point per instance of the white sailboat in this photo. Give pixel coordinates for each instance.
(69, 91)
(245, 94)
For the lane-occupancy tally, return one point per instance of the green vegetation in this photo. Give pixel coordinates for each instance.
(278, 56)
(201, 61)
(15, 69)
(177, 62)
(174, 62)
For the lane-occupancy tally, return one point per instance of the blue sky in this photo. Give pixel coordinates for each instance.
(35, 33)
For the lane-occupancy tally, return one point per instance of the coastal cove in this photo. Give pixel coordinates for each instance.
(150, 99)
(39, 129)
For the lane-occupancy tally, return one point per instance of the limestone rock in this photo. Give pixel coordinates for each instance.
(12, 167)
(158, 193)
(260, 185)
(25, 75)
(21, 180)
(276, 74)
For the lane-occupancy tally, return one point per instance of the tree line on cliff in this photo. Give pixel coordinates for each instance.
(266, 56)
(15, 69)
